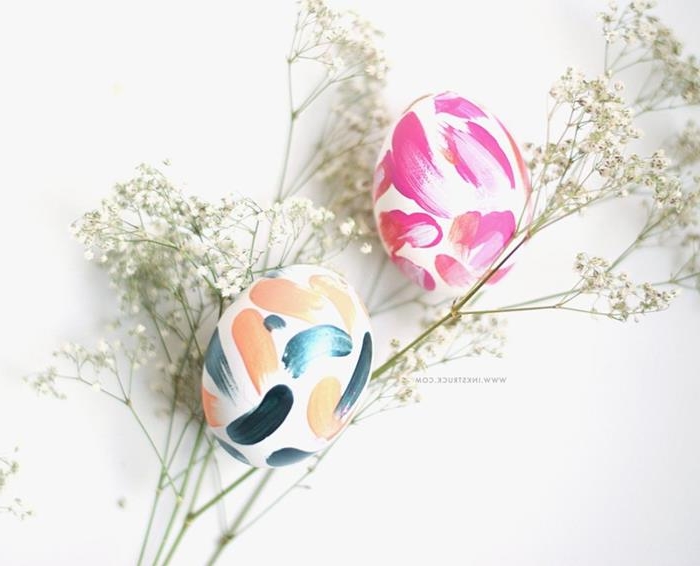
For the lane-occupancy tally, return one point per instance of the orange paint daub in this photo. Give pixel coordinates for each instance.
(210, 403)
(285, 297)
(447, 154)
(255, 345)
(320, 410)
(337, 295)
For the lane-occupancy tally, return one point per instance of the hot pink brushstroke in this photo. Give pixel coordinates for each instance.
(412, 169)
(417, 229)
(477, 240)
(477, 156)
(382, 176)
(414, 272)
(481, 135)
(451, 103)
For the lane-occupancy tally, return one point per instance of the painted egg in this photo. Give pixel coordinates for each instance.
(286, 366)
(450, 190)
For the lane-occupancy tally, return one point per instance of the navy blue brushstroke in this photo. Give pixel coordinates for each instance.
(265, 419)
(358, 380)
(286, 456)
(273, 322)
(315, 342)
(217, 365)
(233, 452)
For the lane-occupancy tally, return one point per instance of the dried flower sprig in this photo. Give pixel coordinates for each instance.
(177, 261)
(672, 80)
(591, 161)
(340, 50)
(9, 467)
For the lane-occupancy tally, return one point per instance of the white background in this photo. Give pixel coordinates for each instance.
(587, 455)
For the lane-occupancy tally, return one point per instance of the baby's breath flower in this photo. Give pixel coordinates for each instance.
(464, 336)
(649, 40)
(686, 148)
(44, 383)
(9, 467)
(346, 45)
(615, 295)
(348, 227)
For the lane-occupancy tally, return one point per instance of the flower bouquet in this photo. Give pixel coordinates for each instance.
(253, 331)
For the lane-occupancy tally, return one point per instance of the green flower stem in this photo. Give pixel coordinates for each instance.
(676, 280)
(151, 517)
(230, 534)
(305, 176)
(292, 113)
(309, 470)
(287, 153)
(183, 471)
(188, 520)
(161, 458)
(164, 469)
(182, 491)
(454, 312)
(223, 493)
(178, 443)
(538, 300)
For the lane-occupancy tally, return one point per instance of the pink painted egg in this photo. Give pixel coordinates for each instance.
(450, 191)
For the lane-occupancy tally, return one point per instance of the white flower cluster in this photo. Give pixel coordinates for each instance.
(676, 197)
(157, 244)
(642, 32)
(598, 144)
(398, 386)
(349, 153)
(677, 213)
(342, 40)
(176, 260)
(591, 159)
(686, 148)
(355, 76)
(621, 298)
(148, 236)
(464, 336)
(604, 124)
(14, 505)
(293, 215)
(668, 193)
(307, 233)
(110, 367)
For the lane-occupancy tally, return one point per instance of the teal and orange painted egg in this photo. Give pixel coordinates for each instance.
(287, 364)
(450, 192)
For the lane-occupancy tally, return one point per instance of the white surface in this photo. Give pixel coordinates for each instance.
(587, 455)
